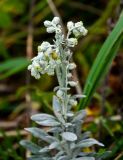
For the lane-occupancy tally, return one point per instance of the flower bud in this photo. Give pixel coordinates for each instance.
(72, 83)
(73, 102)
(72, 42)
(79, 24)
(76, 33)
(44, 46)
(69, 75)
(36, 65)
(59, 93)
(56, 20)
(85, 32)
(29, 67)
(70, 25)
(47, 24)
(71, 66)
(50, 29)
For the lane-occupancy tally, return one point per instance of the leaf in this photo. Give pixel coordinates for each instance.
(3, 49)
(79, 115)
(45, 149)
(48, 123)
(86, 135)
(56, 104)
(55, 130)
(69, 136)
(42, 117)
(102, 62)
(5, 20)
(30, 146)
(106, 126)
(39, 133)
(57, 109)
(45, 120)
(88, 142)
(54, 145)
(103, 155)
(12, 66)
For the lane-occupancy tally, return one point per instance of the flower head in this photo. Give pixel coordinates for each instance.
(77, 28)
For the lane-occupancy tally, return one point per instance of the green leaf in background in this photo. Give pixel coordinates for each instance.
(103, 61)
(3, 50)
(12, 66)
(5, 20)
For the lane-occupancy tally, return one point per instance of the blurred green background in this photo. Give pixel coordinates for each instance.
(21, 31)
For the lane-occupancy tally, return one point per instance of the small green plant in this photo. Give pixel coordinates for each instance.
(64, 139)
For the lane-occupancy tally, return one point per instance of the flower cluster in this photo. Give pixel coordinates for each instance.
(45, 61)
(53, 26)
(49, 56)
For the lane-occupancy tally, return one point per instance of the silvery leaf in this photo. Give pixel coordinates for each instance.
(49, 123)
(69, 136)
(70, 114)
(89, 142)
(85, 135)
(43, 150)
(34, 148)
(78, 128)
(39, 133)
(42, 117)
(85, 158)
(59, 154)
(68, 124)
(55, 130)
(75, 152)
(57, 109)
(54, 145)
(51, 139)
(56, 104)
(79, 115)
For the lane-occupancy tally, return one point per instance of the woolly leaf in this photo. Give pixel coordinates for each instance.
(69, 136)
(79, 115)
(45, 149)
(34, 148)
(56, 104)
(57, 109)
(39, 133)
(48, 122)
(42, 117)
(54, 145)
(89, 142)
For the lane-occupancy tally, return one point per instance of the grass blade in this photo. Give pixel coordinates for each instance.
(103, 61)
